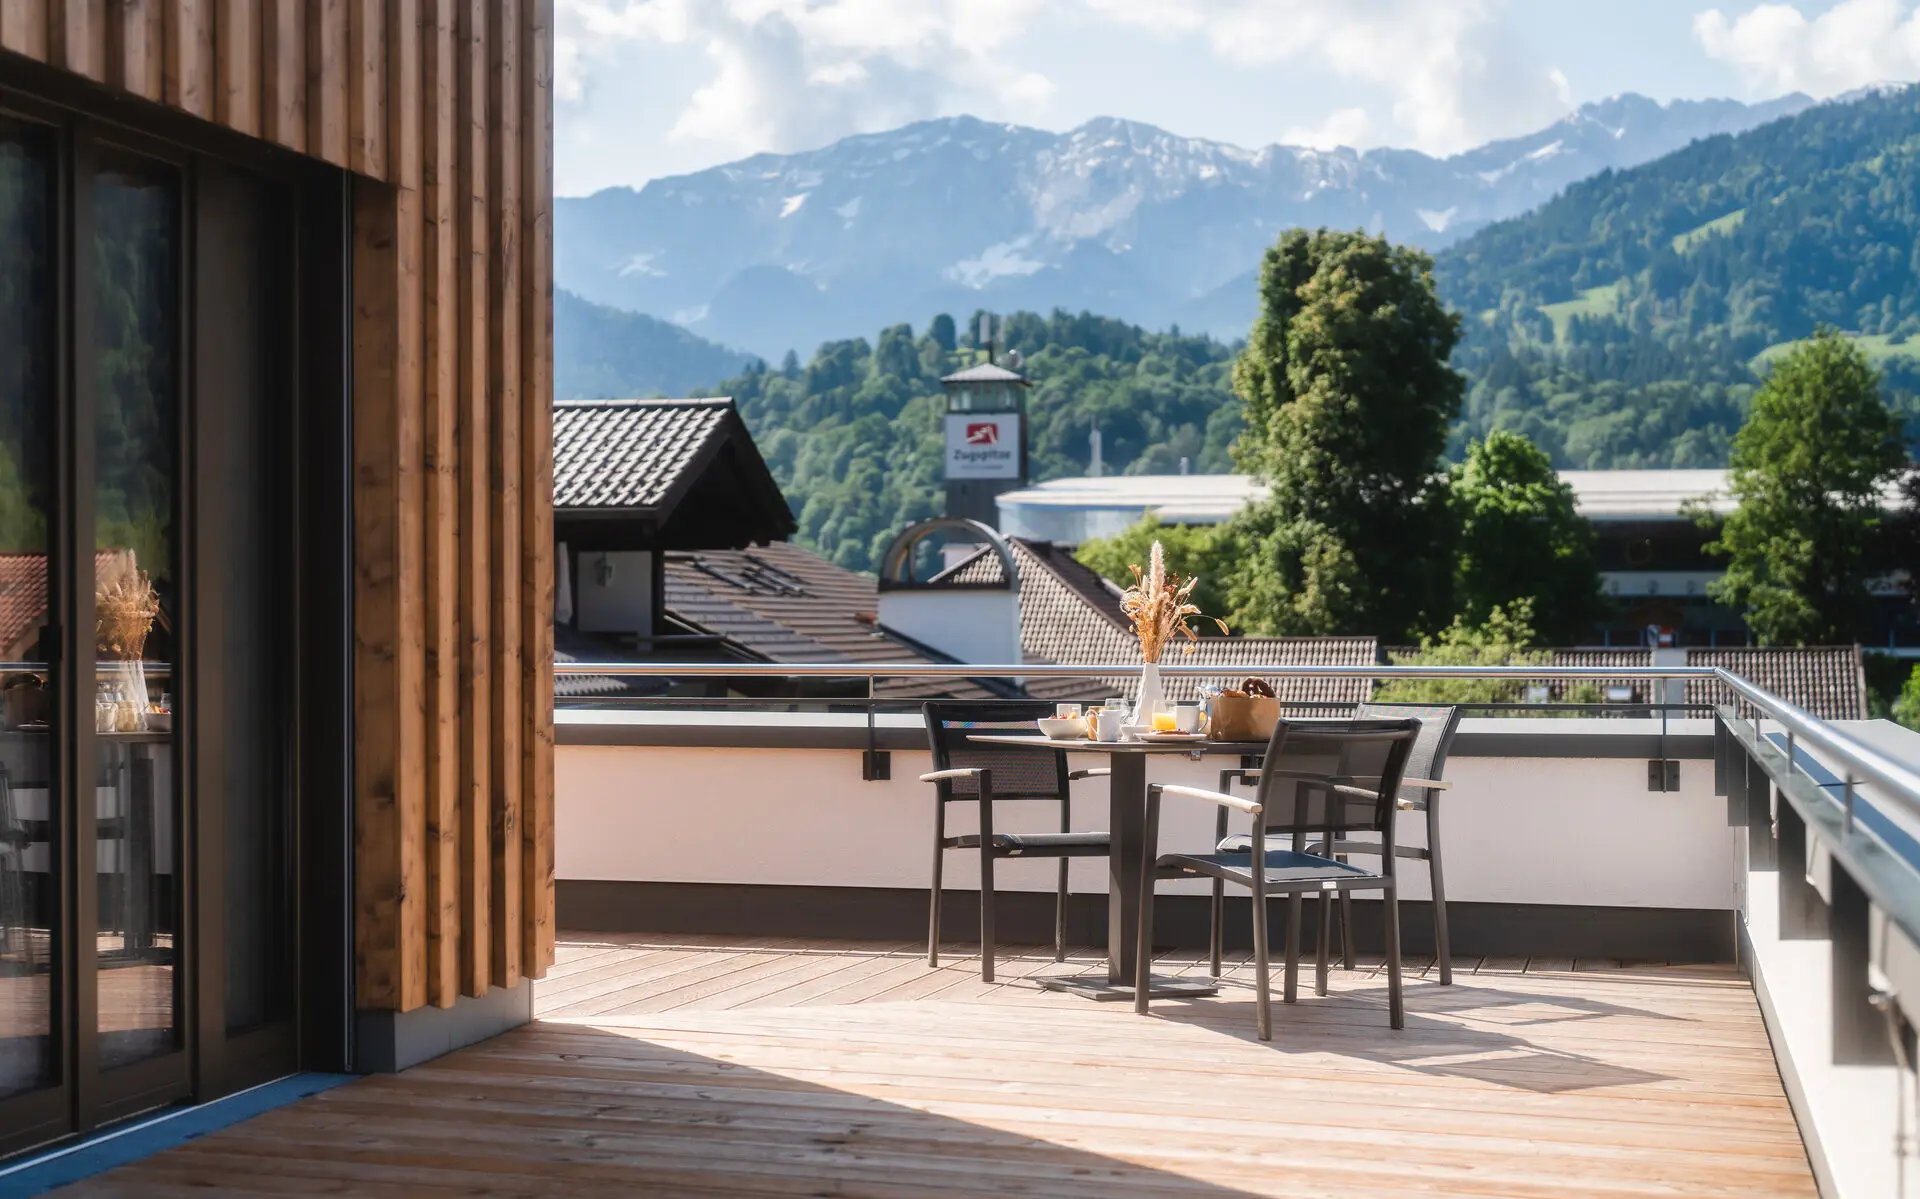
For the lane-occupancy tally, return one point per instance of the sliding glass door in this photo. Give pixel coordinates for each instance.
(148, 927)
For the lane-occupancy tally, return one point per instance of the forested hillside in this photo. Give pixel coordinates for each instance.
(1623, 323)
(602, 353)
(854, 435)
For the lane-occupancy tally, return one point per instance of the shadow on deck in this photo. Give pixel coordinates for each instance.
(704, 1066)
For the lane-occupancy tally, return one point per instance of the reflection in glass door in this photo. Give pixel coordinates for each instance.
(29, 847)
(135, 349)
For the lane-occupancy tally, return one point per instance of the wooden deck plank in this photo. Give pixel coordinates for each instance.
(789, 1067)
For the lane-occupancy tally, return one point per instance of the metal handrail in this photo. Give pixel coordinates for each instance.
(1900, 781)
(940, 670)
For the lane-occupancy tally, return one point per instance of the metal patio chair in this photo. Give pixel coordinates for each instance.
(1420, 790)
(1322, 780)
(987, 775)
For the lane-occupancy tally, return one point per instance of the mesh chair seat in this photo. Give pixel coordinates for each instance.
(1287, 869)
(1048, 845)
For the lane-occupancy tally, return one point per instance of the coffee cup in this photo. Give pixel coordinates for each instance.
(1186, 718)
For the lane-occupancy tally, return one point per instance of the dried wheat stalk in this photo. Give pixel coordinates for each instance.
(123, 616)
(1158, 606)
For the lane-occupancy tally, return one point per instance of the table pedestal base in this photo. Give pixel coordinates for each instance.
(1159, 987)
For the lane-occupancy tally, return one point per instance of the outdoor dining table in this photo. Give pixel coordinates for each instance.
(1127, 817)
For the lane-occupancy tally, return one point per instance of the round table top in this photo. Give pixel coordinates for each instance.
(1082, 745)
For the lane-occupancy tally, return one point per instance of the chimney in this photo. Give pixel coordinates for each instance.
(1094, 465)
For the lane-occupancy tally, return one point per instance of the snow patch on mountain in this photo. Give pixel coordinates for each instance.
(1001, 261)
(793, 204)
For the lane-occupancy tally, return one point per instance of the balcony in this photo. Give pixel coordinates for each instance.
(1643, 1001)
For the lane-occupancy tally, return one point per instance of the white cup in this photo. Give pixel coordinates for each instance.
(1186, 718)
(1107, 725)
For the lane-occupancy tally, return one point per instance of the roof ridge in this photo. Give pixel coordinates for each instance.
(654, 402)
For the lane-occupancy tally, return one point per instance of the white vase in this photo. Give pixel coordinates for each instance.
(1150, 695)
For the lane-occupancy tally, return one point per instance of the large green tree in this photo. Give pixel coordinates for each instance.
(1808, 470)
(1348, 399)
(1520, 539)
(1202, 551)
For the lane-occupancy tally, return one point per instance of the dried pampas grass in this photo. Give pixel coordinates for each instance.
(1158, 606)
(123, 616)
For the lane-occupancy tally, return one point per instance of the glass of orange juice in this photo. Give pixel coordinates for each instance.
(1163, 722)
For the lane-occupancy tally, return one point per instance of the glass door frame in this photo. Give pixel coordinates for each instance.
(104, 1096)
(315, 1031)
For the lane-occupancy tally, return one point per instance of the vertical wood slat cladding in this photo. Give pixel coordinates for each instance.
(475, 494)
(236, 55)
(443, 110)
(536, 449)
(23, 27)
(188, 70)
(439, 182)
(504, 429)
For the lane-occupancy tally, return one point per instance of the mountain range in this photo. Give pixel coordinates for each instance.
(779, 252)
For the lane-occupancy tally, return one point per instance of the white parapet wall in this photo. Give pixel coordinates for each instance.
(1550, 829)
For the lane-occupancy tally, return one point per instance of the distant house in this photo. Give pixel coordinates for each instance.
(673, 538)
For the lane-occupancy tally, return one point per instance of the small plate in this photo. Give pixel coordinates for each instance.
(1153, 736)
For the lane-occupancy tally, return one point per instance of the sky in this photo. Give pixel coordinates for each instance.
(650, 88)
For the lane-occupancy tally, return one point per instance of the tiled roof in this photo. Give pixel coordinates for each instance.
(985, 372)
(1070, 616)
(1828, 681)
(785, 604)
(629, 453)
(23, 595)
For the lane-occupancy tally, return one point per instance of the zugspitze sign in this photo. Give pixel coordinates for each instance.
(983, 446)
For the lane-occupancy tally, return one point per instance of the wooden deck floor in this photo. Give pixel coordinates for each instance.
(691, 1066)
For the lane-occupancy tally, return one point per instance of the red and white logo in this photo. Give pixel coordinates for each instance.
(983, 433)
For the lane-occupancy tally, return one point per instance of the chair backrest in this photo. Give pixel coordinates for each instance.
(1438, 724)
(1017, 773)
(1365, 749)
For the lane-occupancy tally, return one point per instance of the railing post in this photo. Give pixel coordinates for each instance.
(1803, 914)
(1760, 844)
(1859, 1029)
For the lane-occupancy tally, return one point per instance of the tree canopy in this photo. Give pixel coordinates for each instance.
(1521, 541)
(1348, 400)
(1808, 470)
(854, 434)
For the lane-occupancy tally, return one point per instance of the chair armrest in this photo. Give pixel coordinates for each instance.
(1096, 772)
(967, 772)
(1213, 797)
(1431, 784)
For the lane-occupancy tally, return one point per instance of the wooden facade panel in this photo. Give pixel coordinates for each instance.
(473, 241)
(536, 449)
(504, 430)
(368, 121)
(327, 80)
(443, 110)
(23, 27)
(136, 47)
(439, 181)
(236, 56)
(187, 83)
(77, 39)
(283, 56)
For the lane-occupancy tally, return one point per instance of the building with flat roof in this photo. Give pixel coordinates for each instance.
(1652, 553)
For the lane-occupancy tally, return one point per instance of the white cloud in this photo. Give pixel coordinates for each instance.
(1342, 127)
(788, 74)
(1778, 48)
(1452, 72)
